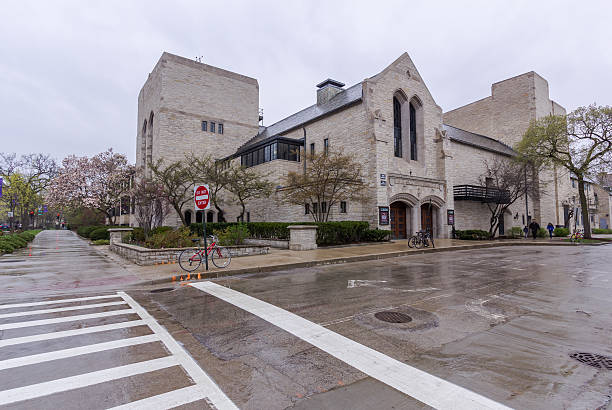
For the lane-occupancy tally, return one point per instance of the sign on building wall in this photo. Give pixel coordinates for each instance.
(383, 215)
(383, 180)
(450, 216)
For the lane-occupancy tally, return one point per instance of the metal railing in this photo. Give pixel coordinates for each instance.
(481, 194)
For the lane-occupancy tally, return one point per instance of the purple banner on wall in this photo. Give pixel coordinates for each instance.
(383, 215)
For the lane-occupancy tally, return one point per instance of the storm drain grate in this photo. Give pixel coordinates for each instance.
(160, 290)
(592, 359)
(393, 317)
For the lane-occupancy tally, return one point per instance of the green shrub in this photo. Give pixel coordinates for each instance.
(101, 242)
(8, 243)
(602, 231)
(178, 238)
(233, 235)
(561, 232)
(516, 232)
(377, 235)
(6, 247)
(137, 235)
(161, 229)
(99, 233)
(338, 233)
(472, 234)
(542, 233)
(85, 231)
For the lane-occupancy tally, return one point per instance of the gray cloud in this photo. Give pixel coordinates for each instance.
(70, 72)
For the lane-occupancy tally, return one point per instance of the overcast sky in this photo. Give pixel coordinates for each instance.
(70, 72)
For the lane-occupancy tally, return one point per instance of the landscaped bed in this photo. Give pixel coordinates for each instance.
(10, 242)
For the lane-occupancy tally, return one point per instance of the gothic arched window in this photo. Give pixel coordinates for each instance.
(397, 127)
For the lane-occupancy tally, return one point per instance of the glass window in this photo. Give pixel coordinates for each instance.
(273, 151)
(397, 128)
(323, 207)
(267, 153)
(282, 151)
(220, 129)
(261, 155)
(326, 145)
(248, 217)
(413, 136)
(312, 149)
(294, 152)
(315, 208)
(212, 126)
(342, 207)
(306, 209)
(204, 126)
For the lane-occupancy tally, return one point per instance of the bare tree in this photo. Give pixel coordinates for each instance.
(175, 182)
(581, 142)
(213, 173)
(150, 207)
(504, 181)
(246, 184)
(330, 177)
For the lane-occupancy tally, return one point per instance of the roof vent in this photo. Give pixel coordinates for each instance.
(327, 90)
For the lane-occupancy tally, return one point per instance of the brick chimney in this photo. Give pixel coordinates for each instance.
(327, 90)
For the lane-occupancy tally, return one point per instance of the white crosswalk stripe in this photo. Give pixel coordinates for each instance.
(204, 388)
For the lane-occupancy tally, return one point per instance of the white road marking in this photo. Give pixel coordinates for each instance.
(56, 301)
(168, 400)
(64, 309)
(76, 351)
(424, 387)
(68, 333)
(212, 391)
(354, 283)
(41, 322)
(83, 380)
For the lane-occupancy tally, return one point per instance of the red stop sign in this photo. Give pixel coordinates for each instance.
(201, 197)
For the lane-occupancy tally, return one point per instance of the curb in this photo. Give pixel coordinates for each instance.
(335, 261)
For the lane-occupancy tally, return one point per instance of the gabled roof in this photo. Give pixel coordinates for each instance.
(478, 141)
(342, 100)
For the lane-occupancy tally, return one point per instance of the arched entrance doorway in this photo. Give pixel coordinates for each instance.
(398, 220)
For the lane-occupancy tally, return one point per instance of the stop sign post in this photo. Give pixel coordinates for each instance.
(201, 198)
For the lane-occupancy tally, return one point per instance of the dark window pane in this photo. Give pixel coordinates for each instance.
(283, 150)
(306, 209)
(267, 153)
(312, 149)
(204, 126)
(342, 207)
(413, 136)
(326, 145)
(220, 129)
(212, 126)
(293, 152)
(323, 207)
(397, 128)
(315, 208)
(274, 153)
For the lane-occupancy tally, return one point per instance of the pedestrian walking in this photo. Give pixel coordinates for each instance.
(550, 228)
(534, 227)
(526, 231)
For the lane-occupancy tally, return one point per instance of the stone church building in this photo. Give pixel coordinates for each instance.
(423, 167)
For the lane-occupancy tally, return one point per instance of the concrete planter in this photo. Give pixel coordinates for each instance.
(146, 256)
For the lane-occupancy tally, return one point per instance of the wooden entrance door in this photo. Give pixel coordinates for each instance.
(398, 220)
(427, 217)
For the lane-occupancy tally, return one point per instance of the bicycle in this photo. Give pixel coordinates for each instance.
(577, 236)
(191, 259)
(421, 239)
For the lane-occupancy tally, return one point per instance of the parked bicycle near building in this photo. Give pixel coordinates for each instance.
(421, 239)
(191, 259)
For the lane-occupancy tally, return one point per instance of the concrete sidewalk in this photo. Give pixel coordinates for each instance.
(282, 259)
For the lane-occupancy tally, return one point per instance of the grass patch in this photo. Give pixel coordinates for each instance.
(101, 242)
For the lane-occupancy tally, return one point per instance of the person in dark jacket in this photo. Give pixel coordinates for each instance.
(526, 231)
(534, 227)
(550, 228)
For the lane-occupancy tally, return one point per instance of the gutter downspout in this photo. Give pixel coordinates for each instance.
(305, 149)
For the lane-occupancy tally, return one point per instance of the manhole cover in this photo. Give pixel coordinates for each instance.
(592, 359)
(160, 290)
(393, 317)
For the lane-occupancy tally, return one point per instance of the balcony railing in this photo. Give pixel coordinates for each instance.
(481, 194)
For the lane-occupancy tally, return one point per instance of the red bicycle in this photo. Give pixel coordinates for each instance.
(191, 259)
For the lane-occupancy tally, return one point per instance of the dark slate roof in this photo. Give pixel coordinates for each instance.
(478, 141)
(347, 97)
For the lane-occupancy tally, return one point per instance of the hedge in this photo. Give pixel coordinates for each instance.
(472, 234)
(101, 231)
(328, 233)
(8, 243)
(601, 231)
(561, 232)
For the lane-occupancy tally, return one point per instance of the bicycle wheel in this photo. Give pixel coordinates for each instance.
(412, 242)
(419, 243)
(189, 260)
(221, 257)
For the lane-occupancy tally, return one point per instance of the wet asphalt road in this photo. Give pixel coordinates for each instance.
(500, 322)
